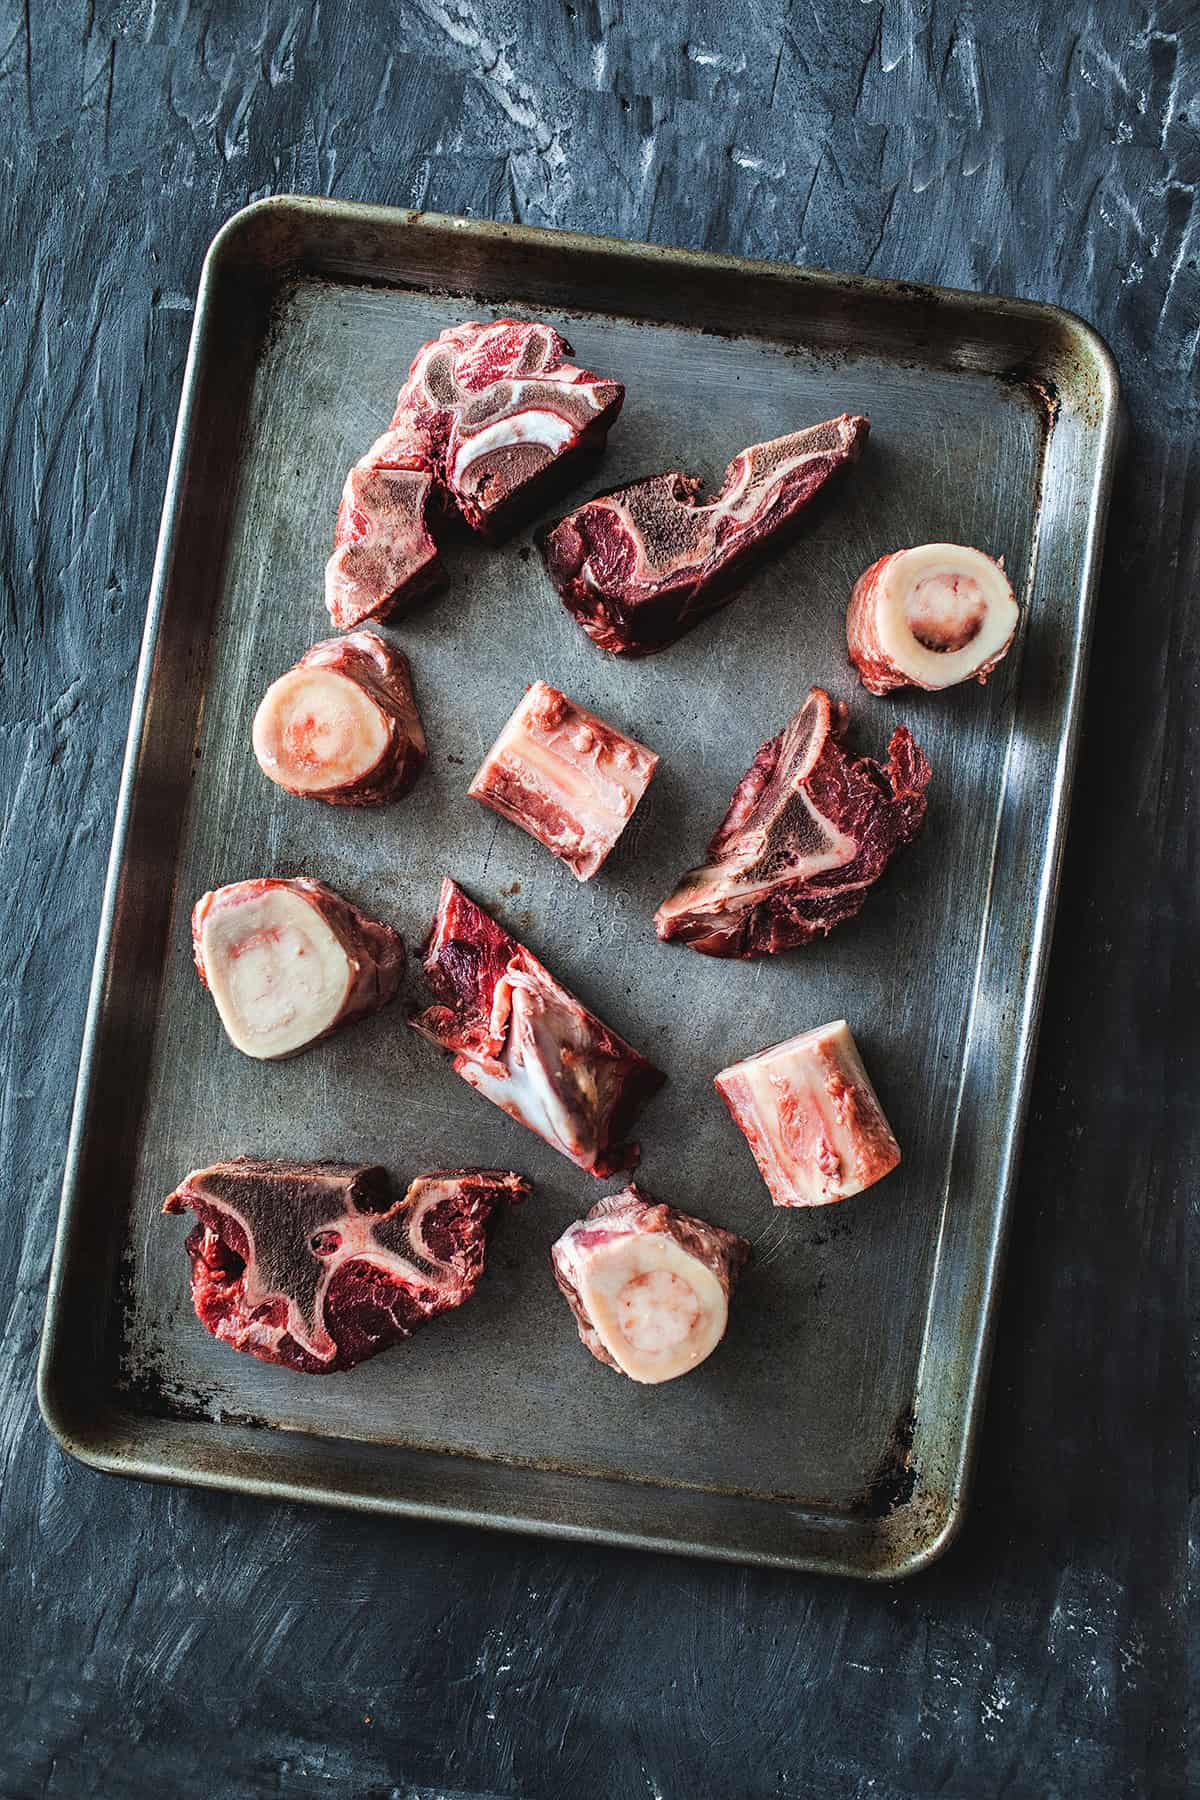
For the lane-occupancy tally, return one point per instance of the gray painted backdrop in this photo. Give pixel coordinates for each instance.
(165, 1641)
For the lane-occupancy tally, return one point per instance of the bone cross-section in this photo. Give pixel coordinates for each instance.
(649, 1286)
(342, 726)
(930, 617)
(287, 962)
(314, 1266)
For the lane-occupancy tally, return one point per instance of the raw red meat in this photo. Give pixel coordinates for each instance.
(649, 1286)
(343, 726)
(809, 830)
(383, 549)
(641, 566)
(312, 1265)
(490, 416)
(930, 617)
(564, 776)
(287, 962)
(528, 1045)
(811, 1117)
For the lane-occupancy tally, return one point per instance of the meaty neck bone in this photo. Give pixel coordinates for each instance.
(489, 415)
(297, 1226)
(809, 830)
(642, 565)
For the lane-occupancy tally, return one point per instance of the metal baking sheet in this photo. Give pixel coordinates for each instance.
(834, 1428)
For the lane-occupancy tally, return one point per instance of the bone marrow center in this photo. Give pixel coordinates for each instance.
(263, 979)
(944, 610)
(657, 1311)
(319, 738)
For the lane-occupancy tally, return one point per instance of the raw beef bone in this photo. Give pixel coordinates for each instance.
(287, 962)
(809, 830)
(528, 1045)
(564, 776)
(491, 417)
(641, 566)
(811, 1117)
(343, 725)
(312, 1265)
(649, 1286)
(930, 617)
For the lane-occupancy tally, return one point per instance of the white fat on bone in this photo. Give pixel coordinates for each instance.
(930, 617)
(811, 1117)
(278, 973)
(535, 1021)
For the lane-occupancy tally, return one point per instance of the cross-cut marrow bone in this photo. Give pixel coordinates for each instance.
(649, 1286)
(640, 566)
(566, 777)
(520, 1039)
(313, 1266)
(287, 962)
(343, 726)
(809, 1113)
(492, 416)
(930, 617)
(808, 832)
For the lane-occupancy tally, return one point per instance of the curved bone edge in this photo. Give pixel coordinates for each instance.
(809, 830)
(383, 675)
(373, 955)
(883, 645)
(526, 1043)
(565, 776)
(629, 1236)
(501, 409)
(311, 1266)
(640, 566)
(811, 1117)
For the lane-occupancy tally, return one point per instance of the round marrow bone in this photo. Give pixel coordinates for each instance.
(649, 1286)
(287, 962)
(930, 617)
(342, 726)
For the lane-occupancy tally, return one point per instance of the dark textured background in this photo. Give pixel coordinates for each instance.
(157, 1641)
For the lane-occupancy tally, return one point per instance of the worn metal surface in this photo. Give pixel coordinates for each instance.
(149, 1633)
(833, 1429)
